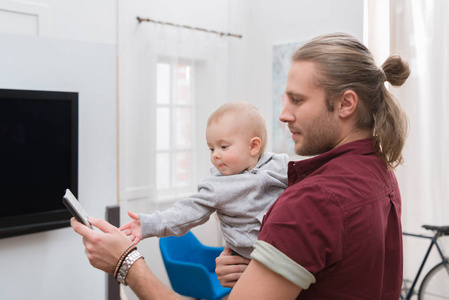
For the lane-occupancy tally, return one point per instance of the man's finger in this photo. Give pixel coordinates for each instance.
(103, 225)
(227, 251)
(80, 228)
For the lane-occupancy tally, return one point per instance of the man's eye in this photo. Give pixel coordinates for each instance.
(224, 147)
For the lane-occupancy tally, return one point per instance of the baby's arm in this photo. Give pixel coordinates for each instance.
(133, 229)
(182, 216)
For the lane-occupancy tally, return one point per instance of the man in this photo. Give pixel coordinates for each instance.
(335, 232)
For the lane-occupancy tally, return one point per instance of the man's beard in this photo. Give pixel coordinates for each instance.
(319, 137)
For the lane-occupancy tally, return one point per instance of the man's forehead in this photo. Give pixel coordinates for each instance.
(302, 76)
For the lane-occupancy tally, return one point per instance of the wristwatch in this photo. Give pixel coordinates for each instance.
(126, 265)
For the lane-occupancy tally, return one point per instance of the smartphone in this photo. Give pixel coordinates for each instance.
(75, 208)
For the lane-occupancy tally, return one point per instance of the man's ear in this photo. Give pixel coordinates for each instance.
(347, 104)
(255, 144)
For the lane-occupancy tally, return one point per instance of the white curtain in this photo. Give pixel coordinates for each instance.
(419, 31)
(207, 54)
(208, 50)
(142, 49)
(141, 46)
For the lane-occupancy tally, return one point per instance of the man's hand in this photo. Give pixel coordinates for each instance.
(103, 249)
(230, 267)
(133, 229)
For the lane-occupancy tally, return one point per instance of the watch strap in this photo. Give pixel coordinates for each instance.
(127, 263)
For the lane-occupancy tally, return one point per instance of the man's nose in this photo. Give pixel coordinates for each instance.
(286, 116)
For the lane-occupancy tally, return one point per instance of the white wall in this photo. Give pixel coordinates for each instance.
(63, 46)
(53, 264)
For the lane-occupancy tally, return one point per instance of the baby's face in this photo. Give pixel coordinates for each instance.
(229, 145)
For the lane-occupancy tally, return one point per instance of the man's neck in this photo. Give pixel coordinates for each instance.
(354, 135)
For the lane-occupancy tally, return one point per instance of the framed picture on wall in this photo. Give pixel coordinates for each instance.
(282, 141)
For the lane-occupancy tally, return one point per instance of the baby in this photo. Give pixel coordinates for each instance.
(244, 183)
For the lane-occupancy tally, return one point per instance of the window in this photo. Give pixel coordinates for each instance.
(175, 127)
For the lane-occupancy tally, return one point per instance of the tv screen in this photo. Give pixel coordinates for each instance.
(39, 160)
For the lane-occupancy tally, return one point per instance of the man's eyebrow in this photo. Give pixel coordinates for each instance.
(294, 95)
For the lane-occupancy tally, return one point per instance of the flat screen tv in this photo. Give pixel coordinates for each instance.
(38, 160)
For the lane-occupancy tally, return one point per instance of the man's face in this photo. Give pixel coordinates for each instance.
(314, 129)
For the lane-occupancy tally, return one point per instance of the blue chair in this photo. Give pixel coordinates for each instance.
(191, 267)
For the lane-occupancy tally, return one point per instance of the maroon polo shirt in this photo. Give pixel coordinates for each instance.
(339, 218)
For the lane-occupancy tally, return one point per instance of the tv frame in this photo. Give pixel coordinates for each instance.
(53, 219)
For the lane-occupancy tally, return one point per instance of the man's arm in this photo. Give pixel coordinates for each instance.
(259, 282)
(103, 249)
(146, 285)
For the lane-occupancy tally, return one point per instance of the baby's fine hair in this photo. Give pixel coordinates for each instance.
(248, 115)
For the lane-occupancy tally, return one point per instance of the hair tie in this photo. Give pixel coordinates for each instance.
(383, 76)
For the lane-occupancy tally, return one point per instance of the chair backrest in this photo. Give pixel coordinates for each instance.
(183, 248)
(184, 259)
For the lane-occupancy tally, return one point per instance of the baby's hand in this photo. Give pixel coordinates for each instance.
(132, 229)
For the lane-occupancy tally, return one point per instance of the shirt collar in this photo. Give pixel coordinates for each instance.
(298, 170)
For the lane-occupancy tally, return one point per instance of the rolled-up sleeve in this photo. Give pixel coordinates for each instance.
(281, 264)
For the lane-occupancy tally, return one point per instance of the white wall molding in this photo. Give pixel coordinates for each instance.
(20, 17)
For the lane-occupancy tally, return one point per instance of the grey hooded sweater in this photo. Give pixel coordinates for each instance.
(240, 201)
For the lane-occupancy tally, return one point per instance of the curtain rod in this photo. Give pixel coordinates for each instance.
(189, 27)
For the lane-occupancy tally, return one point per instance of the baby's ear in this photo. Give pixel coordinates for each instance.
(255, 144)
